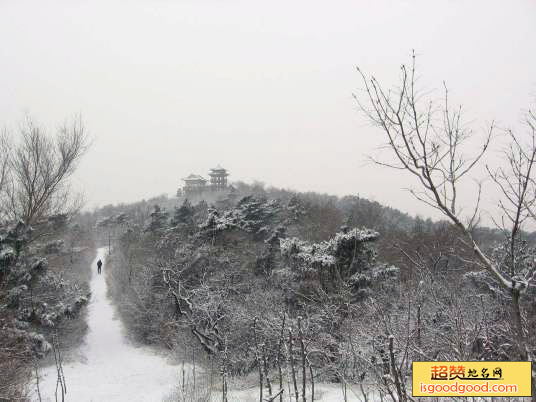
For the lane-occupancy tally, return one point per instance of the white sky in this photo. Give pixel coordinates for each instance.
(169, 88)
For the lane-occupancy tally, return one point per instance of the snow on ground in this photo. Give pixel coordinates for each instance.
(111, 369)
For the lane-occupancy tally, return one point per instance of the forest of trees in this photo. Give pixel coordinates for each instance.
(242, 284)
(291, 289)
(269, 281)
(45, 247)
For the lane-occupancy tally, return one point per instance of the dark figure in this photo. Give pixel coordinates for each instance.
(99, 265)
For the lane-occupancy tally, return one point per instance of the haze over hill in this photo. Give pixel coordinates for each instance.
(169, 88)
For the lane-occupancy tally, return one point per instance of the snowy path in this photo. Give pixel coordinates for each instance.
(112, 370)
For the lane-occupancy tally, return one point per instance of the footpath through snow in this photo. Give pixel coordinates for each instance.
(112, 369)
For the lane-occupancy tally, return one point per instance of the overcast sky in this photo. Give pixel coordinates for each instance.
(169, 88)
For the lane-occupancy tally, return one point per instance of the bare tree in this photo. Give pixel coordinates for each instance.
(518, 190)
(5, 152)
(517, 187)
(40, 167)
(431, 142)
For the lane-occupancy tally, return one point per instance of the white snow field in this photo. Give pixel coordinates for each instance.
(112, 369)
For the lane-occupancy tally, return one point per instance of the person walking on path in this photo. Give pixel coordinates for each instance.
(99, 266)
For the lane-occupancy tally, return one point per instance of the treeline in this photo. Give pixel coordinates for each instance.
(270, 281)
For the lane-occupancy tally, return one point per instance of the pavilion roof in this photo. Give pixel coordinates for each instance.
(194, 177)
(218, 168)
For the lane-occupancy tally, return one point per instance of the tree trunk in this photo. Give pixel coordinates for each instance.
(521, 339)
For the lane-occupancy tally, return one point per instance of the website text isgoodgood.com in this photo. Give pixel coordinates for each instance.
(464, 389)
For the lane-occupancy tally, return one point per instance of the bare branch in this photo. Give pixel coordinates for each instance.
(41, 167)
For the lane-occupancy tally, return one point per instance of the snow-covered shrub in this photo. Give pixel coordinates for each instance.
(13, 295)
(158, 220)
(7, 257)
(271, 255)
(15, 237)
(112, 220)
(295, 209)
(250, 215)
(346, 251)
(54, 247)
(58, 221)
(183, 214)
